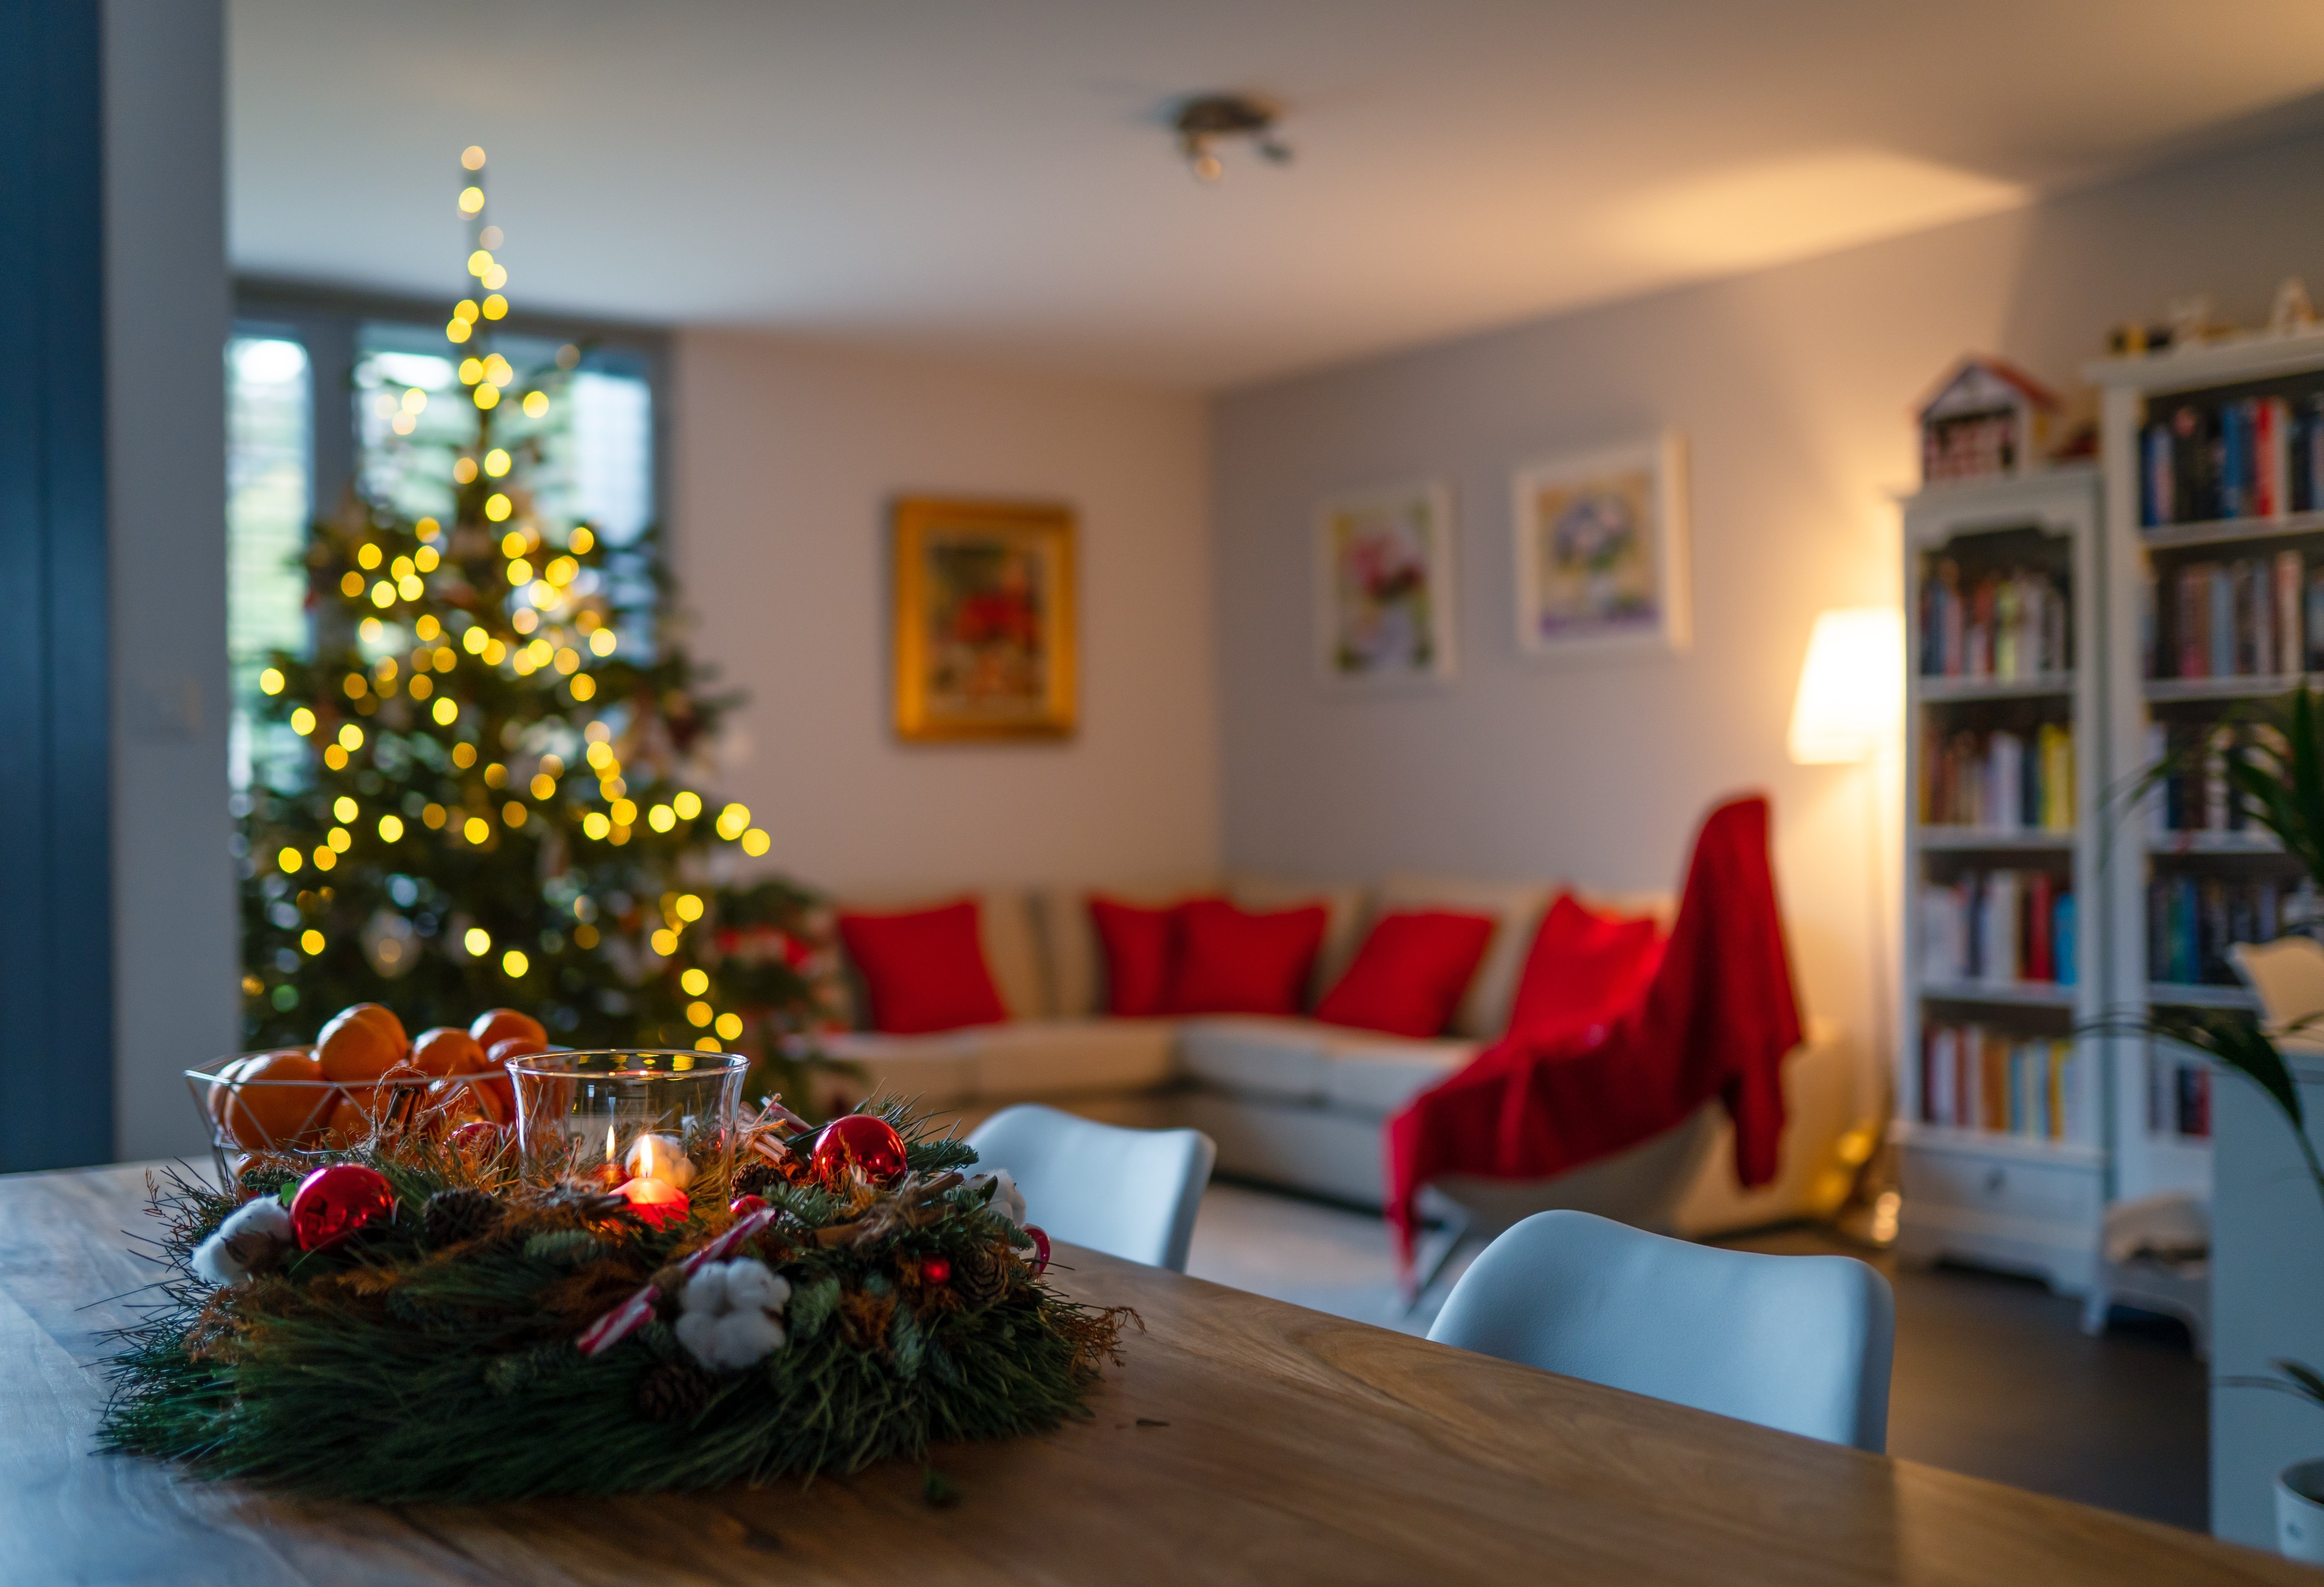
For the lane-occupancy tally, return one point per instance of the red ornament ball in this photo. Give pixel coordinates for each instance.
(859, 1141)
(337, 1202)
(937, 1270)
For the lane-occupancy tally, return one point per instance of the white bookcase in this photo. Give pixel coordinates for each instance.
(2158, 1145)
(1999, 1184)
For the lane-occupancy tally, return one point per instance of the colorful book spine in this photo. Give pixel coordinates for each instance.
(2157, 503)
(2220, 622)
(2191, 608)
(2289, 647)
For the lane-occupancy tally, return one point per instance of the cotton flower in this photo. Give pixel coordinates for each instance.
(251, 1241)
(728, 1312)
(1006, 1198)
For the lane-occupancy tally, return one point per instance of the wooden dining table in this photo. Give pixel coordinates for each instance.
(1240, 1440)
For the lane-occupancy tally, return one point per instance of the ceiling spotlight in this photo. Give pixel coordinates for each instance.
(1202, 120)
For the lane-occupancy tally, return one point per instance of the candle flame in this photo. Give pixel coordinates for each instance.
(612, 1147)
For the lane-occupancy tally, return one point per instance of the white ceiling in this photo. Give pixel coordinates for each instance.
(991, 176)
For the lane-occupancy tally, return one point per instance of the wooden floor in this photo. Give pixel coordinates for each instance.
(1994, 1376)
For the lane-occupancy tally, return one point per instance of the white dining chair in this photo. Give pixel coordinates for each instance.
(1129, 1192)
(1798, 1344)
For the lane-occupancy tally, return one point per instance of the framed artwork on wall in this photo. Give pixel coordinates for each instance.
(984, 640)
(1384, 585)
(1601, 552)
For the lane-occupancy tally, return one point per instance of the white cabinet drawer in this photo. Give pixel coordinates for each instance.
(2042, 1193)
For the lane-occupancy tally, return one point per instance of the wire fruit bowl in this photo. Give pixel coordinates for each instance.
(273, 1102)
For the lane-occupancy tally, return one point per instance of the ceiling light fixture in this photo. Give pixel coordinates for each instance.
(1202, 120)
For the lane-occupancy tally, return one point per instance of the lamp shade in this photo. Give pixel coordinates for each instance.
(1851, 698)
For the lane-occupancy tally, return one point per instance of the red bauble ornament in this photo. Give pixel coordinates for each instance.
(476, 1135)
(337, 1202)
(859, 1141)
(937, 1270)
(743, 1204)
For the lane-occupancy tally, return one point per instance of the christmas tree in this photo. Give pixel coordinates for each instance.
(495, 789)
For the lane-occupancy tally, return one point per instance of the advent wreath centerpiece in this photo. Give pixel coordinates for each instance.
(470, 1315)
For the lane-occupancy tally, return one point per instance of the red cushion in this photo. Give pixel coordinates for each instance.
(1137, 944)
(1409, 976)
(1231, 960)
(1584, 968)
(923, 969)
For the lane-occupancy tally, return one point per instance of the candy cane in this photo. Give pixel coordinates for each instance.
(636, 1312)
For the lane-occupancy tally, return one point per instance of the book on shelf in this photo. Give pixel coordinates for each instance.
(2037, 1088)
(2000, 927)
(2000, 780)
(2206, 459)
(2007, 626)
(2192, 922)
(2193, 793)
(2178, 1095)
(2253, 616)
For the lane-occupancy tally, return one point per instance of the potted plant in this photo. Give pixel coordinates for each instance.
(2278, 774)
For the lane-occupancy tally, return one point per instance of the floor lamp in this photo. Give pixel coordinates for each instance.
(1850, 710)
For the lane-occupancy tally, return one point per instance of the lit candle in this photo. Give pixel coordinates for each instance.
(656, 1202)
(659, 1157)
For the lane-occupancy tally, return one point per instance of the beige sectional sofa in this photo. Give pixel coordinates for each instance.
(1300, 1104)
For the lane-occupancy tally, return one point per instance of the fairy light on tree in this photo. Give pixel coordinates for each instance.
(502, 795)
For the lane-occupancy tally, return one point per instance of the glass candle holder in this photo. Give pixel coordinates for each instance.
(651, 1126)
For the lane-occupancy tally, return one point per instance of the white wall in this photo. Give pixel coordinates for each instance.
(1794, 388)
(176, 1001)
(784, 457)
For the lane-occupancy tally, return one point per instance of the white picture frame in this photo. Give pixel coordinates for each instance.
(1600, 545)
(1383, 572)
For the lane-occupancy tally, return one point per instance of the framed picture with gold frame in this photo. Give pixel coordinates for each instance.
(984, 619)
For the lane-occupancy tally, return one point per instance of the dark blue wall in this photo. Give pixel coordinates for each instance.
(56, 998)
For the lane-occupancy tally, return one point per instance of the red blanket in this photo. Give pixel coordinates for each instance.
(1716, 1018)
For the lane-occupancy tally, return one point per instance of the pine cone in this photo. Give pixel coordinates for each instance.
(455, 1215)
(979, 1275)
(675, 1391)
(753, 1177)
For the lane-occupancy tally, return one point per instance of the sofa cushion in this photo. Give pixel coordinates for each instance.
(939, 1070)
(1235, 960)
(1343, 919)
(1516, 905)
(1006, 929)
(1409, 976)
(1076, 966)
(1281, 1058)
(1583, 967)
(923, 969)
(1378, 1077)
(1136, 945)
(1060, 1057)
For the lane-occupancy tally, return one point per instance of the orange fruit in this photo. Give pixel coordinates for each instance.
(496, 1062)
(494, 1026)
(220, 1091)
(452, 1103)
(361, 1043)
(447, 1050)
(278, 1100)
(348, 1124)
